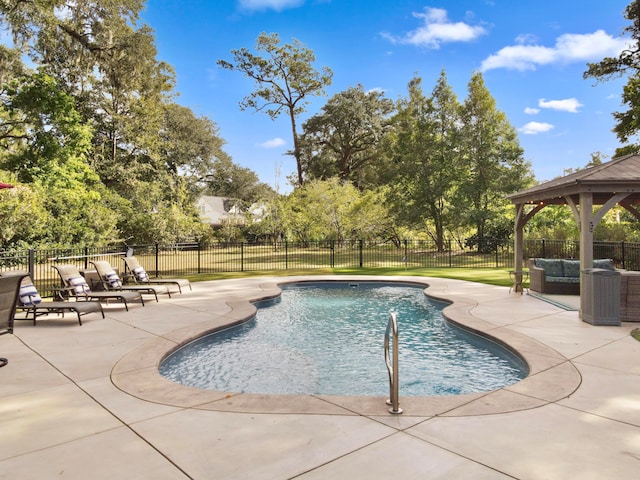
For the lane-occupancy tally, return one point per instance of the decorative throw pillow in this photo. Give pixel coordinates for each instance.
(29, 296)
(80, 285)
(141, 274)
(605, 263)
(571, 268)
(113, 279)
(552, 267)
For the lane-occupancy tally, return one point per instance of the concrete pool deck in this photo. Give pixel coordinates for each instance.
(86, 401)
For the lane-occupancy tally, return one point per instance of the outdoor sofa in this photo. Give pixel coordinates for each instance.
(559, 276)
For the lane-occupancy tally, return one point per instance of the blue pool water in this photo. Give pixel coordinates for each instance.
(327, 338)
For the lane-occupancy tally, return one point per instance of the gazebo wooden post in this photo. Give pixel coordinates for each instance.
(518, 249)
(586, 230)
(586, 227)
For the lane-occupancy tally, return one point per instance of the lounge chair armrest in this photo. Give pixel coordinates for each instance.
(128, 277)
(63, 293)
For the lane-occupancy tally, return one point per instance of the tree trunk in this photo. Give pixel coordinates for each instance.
(296, 146)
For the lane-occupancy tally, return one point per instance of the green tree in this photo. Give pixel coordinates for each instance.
(334, 210)
(11, 65)
(227, 179)
(48, 150)
(45, 131)
(285, 79)
(626, 63)
(23, 216)
(345, 139)
(492, 160)
(101, 104)
(189, 145)
(266, 219)
(426, 157)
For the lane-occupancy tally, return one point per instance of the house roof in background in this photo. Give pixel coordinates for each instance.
(215, 210)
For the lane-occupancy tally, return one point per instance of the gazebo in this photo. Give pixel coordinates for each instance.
(616, 182)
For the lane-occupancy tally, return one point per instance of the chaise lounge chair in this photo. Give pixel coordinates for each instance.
(74, 285)
(111, 281)
(139, 275)
(9, 287)
(30, 301)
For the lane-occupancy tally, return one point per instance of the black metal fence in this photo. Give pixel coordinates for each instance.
(191, 258)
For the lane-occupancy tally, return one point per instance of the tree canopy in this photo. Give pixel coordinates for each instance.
(91, 132)
(344, 140)
(285, 79)
(626, 63)
(94, 125)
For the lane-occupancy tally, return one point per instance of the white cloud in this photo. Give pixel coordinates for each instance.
(273, 143)
(531, 111)
(437, 29)
(526, 38)
(568, 48)
(534, 128)
(277, 5)
(567, 105)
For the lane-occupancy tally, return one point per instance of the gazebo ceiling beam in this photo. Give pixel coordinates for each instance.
(630, 208)
(523, 218)
(606, 207)
(598, 199)
(574, 209)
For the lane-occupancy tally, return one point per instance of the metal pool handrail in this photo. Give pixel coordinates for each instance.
(392, 363)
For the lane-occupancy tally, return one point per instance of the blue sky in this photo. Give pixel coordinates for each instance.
(532, 55)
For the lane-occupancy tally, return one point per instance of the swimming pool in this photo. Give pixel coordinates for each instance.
(326, 338)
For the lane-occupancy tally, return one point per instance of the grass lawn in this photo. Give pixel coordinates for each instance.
(491, 276)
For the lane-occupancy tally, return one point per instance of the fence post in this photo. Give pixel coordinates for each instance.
(242, 256)
(332, 245)
(199, 259)
(286, 254)
(450, 255)
(623, 256)
(157, 260)
(406, 253)
(32, 262)
(497, 254)
(86, 257)
(544, 250)
(360, 247)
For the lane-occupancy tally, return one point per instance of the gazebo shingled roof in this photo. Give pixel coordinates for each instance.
(616, 176)
(607, 184)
